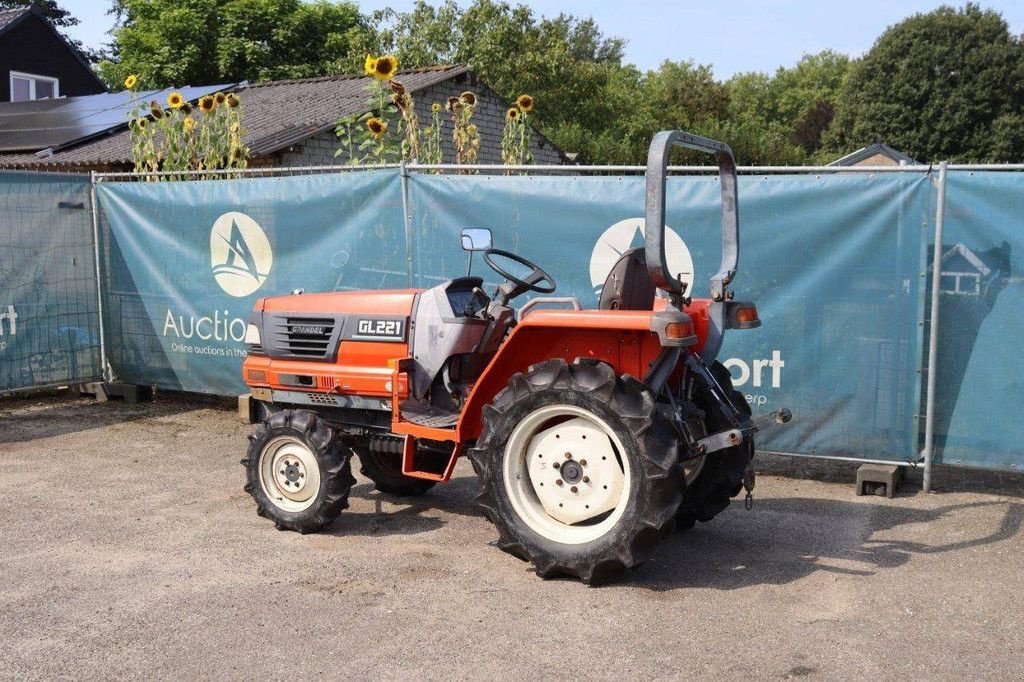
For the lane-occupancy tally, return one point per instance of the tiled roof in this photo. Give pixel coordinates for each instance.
(278, 114)
(853, 158)
(8, 16)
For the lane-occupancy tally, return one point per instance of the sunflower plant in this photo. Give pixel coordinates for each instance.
(431, 149)
(177, 136)
(465, 135)
(515, 139)
(367, 138)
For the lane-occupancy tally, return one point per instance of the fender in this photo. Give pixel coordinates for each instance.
(628, 340)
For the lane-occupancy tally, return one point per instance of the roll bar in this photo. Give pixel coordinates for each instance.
(654, 230)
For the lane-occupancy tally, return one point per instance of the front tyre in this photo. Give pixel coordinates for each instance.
(578, 470)
(298, 471)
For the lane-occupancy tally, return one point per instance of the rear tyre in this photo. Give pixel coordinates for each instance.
(385, 470)
(712, 480)
(578, 470)
(298, 471)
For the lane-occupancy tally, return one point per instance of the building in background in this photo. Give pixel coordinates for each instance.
(877, 154)
(287, 123)
(37, 62)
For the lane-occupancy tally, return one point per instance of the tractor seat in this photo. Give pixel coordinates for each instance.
(628, 285)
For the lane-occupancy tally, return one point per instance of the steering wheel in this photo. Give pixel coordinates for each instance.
(532, 282)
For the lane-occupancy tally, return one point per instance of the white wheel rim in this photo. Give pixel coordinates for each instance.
(566, 474)
(289, 474)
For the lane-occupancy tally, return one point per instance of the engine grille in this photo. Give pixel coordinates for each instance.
(304, 337)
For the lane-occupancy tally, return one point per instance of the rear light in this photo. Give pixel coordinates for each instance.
(747, 315)
(674, 328)
(679, 330)
(741, 315)
(256, 375)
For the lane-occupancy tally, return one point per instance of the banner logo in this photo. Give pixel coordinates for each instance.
(240, 254)
(628, 233)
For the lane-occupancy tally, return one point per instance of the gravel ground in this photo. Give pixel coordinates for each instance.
(128, 549)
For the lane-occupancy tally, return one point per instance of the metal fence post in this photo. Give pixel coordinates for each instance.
(933, 331)
(104, 364)
(407, 219)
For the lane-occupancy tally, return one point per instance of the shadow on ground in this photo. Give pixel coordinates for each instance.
(24, 419)
(787, 539)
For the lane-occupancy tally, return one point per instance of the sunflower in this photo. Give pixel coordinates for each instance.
(435, 107)
(377, 127)
(156, 110)
(207, 104)
(454, 104)
(384, 67)
(512, 114)
(400, 100)
(525, 103)
(220, 97)
(468, 98)
(188, 123)
(186, 108)
(140, 123)
(232, 100)
(175, 100)
(131, 81)
(370, 65)
(397, 87)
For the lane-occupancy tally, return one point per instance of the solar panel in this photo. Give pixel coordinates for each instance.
(42, 124)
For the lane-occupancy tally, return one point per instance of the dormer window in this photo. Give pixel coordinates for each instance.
(28, 86)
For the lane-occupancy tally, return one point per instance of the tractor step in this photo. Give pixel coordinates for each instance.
(423, 414)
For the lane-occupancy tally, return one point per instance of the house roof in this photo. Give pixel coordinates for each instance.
(9, 17)
(853, 158)
(278, 114)
(968, 255)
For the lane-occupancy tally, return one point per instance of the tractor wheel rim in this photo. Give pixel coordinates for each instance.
(289, 474)
(566, 474)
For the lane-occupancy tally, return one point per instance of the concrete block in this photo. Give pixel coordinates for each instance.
(879, 479)
(248, 409)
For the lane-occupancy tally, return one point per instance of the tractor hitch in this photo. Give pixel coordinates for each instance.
(732, 437)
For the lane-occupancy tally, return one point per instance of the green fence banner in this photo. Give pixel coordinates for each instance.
(49, 318)
(833, 262)
(981, 323)
(185, 261)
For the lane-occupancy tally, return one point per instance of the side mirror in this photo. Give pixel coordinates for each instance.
(476, 239)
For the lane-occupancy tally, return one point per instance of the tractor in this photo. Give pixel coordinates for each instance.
(594, 432)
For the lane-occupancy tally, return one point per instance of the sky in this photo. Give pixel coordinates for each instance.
(733, 36)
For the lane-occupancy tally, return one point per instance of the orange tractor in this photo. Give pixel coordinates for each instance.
(593, 432)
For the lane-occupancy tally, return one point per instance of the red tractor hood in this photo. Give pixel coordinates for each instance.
(387, 302)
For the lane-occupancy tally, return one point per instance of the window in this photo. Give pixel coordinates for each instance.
(27, 86)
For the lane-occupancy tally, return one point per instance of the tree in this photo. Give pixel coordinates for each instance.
(948, 84)
(797, 103)
(563, 61)
(178, 42)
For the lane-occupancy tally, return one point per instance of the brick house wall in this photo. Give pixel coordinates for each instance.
(489, 118)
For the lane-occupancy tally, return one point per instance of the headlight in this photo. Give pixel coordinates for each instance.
(252, 335)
